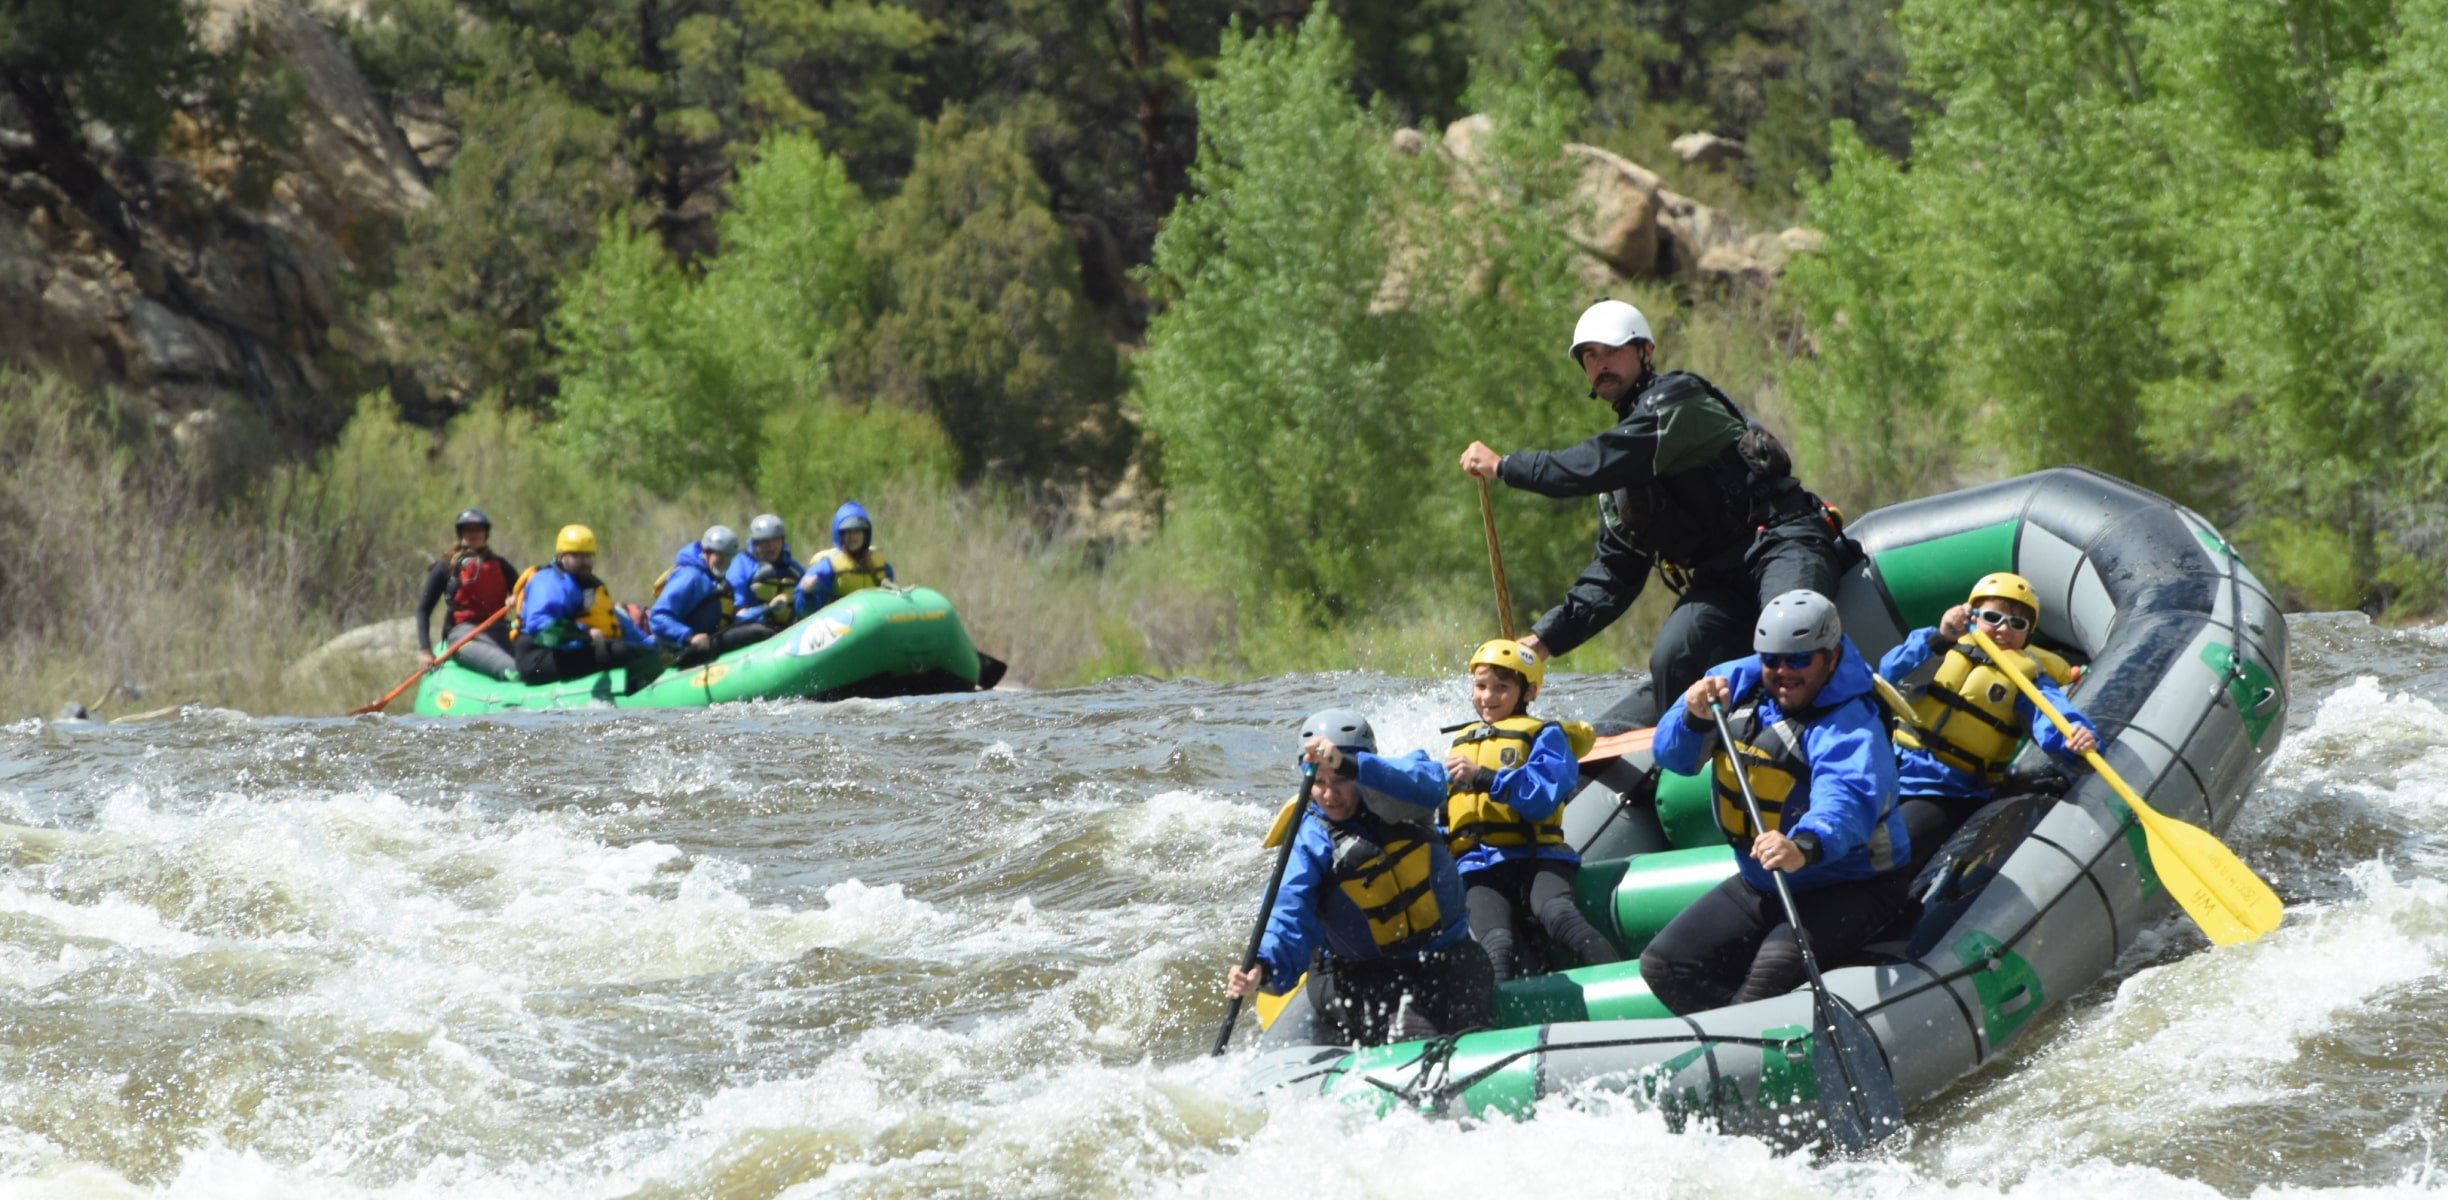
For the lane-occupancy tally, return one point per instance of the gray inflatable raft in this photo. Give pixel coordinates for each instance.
(2028, 904)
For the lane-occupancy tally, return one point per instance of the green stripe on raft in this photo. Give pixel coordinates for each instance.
(875, 639)
(1924, 579)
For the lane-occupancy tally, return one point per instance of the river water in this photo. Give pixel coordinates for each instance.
(972, 946)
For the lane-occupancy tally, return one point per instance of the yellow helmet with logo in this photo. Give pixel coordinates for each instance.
(2005, 585)
(1512, 656)
(575, 539)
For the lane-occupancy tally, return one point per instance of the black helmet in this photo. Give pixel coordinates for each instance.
(473, 516)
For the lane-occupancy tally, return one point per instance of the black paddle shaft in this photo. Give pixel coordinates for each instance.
(1821, 1000)
(1266, 908)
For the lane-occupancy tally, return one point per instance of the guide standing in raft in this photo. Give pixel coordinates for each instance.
(1686, 484)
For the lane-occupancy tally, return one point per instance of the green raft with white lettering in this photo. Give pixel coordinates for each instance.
(873, 642)
(2028, 905)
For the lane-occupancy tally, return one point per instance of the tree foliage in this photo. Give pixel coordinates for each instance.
(668, 376)
(2171, 240)
(979, 317)
(1342, 321)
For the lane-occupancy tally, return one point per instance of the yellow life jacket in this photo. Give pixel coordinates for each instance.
(598, 615)
(1779, 768)
(1967, 713)
(1774, 759)
(851, 575)
(1394, 888)
(1475, 819)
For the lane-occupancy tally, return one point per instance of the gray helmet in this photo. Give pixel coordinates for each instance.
(719, 540)
(473, 516)
(1797, 622)
(1347, 729)
(767, 525)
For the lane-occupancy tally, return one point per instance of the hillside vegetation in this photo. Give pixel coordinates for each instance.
(1151, 332)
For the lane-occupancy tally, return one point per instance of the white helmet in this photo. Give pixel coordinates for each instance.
(1798, 622)
(1609, 323)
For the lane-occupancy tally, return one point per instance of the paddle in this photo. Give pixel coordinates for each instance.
(1871, 1109)
(1504, 594)
(2210, 883)
(439, 659)
(990, 671)
(1266, 907)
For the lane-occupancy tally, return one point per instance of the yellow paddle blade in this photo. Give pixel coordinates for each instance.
(1285, 819)
(2209, 882)
(1271, 1006)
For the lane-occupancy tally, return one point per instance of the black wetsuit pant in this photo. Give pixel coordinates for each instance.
(1538, 889)
(1720, 609)
(723, 643)
(1732, 945)
(543, 664)
(1371, 1002)
(488, 652)
(1930, 820)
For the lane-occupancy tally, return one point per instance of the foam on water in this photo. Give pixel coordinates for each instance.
(838, 951)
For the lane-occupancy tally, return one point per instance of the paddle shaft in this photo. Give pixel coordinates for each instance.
(2247, 910)
(439, 659)
(1504, 593)
(1266, 908)
(1820, 998)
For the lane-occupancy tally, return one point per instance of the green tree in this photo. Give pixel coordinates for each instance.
(669, 379)
(517, 211)
(1344, 320)
(979, 318)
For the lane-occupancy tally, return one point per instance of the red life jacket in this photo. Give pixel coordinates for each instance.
(481, 587)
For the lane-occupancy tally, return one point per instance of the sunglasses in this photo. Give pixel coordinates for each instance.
(1789, 662)
(1991, 616)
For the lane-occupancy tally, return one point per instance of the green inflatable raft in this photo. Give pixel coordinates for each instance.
(875, 642)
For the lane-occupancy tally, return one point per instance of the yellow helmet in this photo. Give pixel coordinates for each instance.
(2005, 585)
(575, 539)
(1512, 656)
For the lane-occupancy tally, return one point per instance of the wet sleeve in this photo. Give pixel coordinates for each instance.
(679, 596)
(1681, 746)
(816, 587)
(1898, 664)
(1292, 925)
(1607, 586)
(2044, 731)
(435, 581)
(1405, 790)
(1846, 784)
(1615, 459)
(1544, 781)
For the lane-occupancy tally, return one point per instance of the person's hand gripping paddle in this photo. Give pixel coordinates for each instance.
(2209, 882)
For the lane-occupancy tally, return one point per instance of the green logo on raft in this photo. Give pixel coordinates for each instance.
(2248, 685)
(2009, 988)
(1786, 1075)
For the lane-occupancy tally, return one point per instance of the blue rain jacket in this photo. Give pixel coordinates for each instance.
(1310, 908)
(690, 602)
(1852, 791)
(742, 577)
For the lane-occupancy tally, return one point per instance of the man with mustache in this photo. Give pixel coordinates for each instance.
(1686, 484)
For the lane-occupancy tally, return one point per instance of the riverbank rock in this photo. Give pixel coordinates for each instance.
(1632, 224)
(183, 284)
(390, 645)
